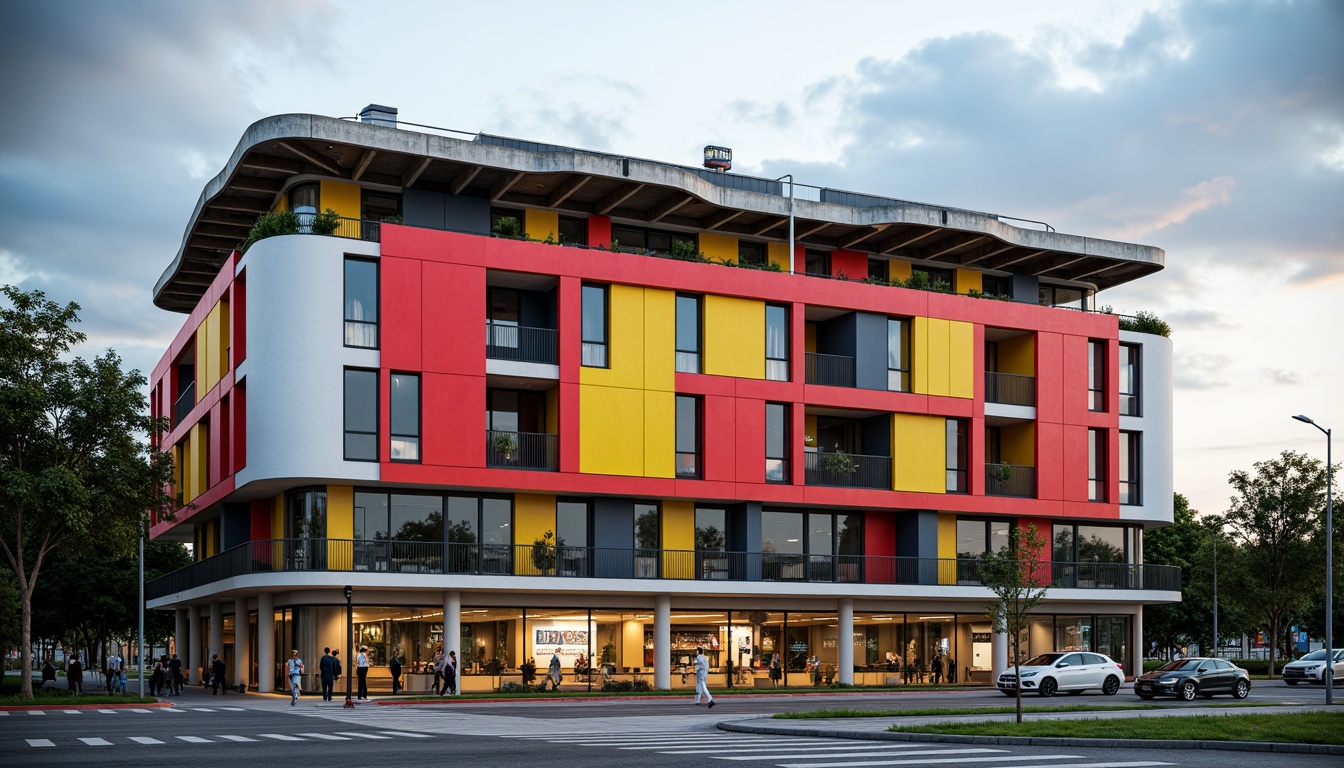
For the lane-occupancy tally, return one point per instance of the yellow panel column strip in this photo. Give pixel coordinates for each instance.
(341, 526)
(678, 539)
(720, 247)
(734, 336)
(540, 223)
(947, 548)
(961, 351)
(342, 197)
(919, 453)
(533, 516)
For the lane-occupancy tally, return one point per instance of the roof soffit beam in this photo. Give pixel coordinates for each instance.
(723, 217)
(977, 255)
(948, 245)
(464, 178)
(668, 205)
(255, 184)
(860, 236)
(258, 209)
(413, 173)
(769, 225)
(321, 162)
(817, 227)
(563, 192)
(363, 164)
(620, 195)
(1053, 263)
(904, 241)
(259, 162)
(504, 185)
(1090, 270)
(1004, 262)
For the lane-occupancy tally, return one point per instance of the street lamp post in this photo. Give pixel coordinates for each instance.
(1329, 564)
(1215, 594)
(349, 645)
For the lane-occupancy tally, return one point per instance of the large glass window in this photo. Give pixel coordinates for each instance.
(1130, 455)
(572, 537)
(776, 443)
(361, 415)
(413, 517)
(1096, 465)
(361, 303)
(1096, 375)
(688, 436)
(898, 355)
(370, 516)
(303, 201)
(1129, 380)
(956, 449)
(688, 334)
(976, 537)
(817, 262)
(776, 343)
(751, 253)
(306, 530)
(480, 538)
(711, 526)
(595, 326)
(648, 540)
(502, 322)
(405, 413)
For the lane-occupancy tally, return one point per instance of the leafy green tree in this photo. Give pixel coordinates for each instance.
(1276, 510)
(1172, 625)
(1019, 579)
(73, 456)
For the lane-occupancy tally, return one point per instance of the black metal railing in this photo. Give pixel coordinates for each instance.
(1010, 389)
(1010, 480)
(521, 450)
(551, 560)
(521, 343)
(829, 370)
(850, 470)
(185, 400)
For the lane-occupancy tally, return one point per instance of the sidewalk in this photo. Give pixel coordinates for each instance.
(875, 729)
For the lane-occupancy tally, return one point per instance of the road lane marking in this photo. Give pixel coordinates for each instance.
(409, 734)
(279, 736)
(40, 742)
(94, 741)
(927, 761)
(235, 738)
(326, 736)
(144, 740)
(786, 748)
(363, 735)
(195, 740)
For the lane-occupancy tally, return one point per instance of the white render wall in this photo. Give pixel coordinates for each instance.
(1156, 483)
(296, 359)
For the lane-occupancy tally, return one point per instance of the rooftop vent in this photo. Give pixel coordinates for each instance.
(377, 114)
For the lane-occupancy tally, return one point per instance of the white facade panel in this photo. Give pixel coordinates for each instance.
(1157, 484)
(296, 358)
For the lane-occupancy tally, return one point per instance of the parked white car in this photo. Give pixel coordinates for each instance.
(1072, 672)
(1311, 668)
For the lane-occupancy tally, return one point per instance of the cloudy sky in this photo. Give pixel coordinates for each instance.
(1213, 130)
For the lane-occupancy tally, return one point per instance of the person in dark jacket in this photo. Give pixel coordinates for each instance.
(175, 676)
(326, 667)
(217, 675)
(74, 676)
(394, 666)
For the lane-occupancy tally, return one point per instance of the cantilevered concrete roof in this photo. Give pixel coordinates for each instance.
(514, 172)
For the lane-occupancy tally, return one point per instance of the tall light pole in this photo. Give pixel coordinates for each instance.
(140, 638)
(1329, 565)
(349, 645)
(789, 176)
(1215, 593)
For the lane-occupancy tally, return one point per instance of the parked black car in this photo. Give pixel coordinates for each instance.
(1188, 678)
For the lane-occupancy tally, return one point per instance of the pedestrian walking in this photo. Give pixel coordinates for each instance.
(436, 664)
(175, 675)
(362, 670)
(394, 666)
(74, 676)
(814, 669)
(776, 670)
(937, 669)
(336, 664)
(701, 677)
(295, 668)
(553, 669)
(48, 675)
(450, 673)
(326, 666)
(157, 679)
(217, 675)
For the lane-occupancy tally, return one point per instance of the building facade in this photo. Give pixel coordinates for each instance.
(529, 400)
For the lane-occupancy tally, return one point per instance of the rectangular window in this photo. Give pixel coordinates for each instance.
(711, 529)
(1096, 465)
(898, 355)
(776, 343)
(361, 303)
(573, 525)
(688, 436)
(940, 279)
(648, 529)
(1096, 375)
(975, 537)
(877, 269)
(817, 262)
(405, 417)
(502, 304)
(595, 326)
(361, 415)
(957, 460)
(573, 231)
(751, 253)
(479, 535)
(1129, 380)
(776, 443)
(1130, 457)
(688, 334)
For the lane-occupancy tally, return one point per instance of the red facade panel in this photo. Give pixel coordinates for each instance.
(719, 431)
(599, 231)
(454, 318)
(240, 426)
(852, 265)
(748, 440)
(452, 423)
(400, 299)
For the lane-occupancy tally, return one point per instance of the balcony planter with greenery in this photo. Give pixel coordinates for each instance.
(505, 445)
(1003, 474)
(840, 463)
(508, 226)
(543, 553)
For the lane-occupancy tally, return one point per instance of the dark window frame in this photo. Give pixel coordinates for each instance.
(604, 343)
(419, 416)
(906, 378)
(783, 458)
(377, 423)
(963, 456)
(1131, 357)
(988, 523)
(376, 323)
(781, 362)
(696, 355)
(1131, 453)
(1096, 465)
(756, 254)
(698, 425)
(1096, 375)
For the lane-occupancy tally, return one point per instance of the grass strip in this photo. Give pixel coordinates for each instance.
(819, 714)
(65, 699)
(1295, 728)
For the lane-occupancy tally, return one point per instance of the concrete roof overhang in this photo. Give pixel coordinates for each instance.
(275, 150)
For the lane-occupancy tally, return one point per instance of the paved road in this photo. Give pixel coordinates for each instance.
(661, 732)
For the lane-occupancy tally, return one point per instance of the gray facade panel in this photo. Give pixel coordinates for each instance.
(422, 209)
(466, 214)
(870, 359)
(613, 536)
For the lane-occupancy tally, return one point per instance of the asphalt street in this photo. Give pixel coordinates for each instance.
(637, 732)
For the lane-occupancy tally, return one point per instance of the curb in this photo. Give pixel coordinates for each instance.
(1036, 741)
(22, 707)
(618, 697)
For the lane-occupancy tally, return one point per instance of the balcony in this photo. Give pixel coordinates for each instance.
(484, 559)
(521, 450)
(847, 470)
(185, 400)
(521, 344)
(1010, 389)
(1010, 480)
(829, 370)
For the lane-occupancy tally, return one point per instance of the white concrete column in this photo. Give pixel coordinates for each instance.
(846, 641)
(216, 633)
(998, 652)
(179, 631)
(662, 642)
(1137, 649)
(265, 643)
(190, 659)
(452, 631)
(242, 658)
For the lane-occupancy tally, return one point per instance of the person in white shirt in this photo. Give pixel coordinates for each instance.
(362, 670)
(295, 669)
(701, 675)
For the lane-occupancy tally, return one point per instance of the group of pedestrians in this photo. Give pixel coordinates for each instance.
(445, 672)
(165, 679)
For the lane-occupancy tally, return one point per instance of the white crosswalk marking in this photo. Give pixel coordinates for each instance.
(71, 711)
(140, 711)
(409, 735)
(4, 714)
(195, 740)
(40, 742)
(234, 738)
(233, 709)
(94, 741)
(201, 709)
(36, 712)
(279, 736)
(171, 710)
(144, 740)
(363, 735)
(326, 736)
(107, 711)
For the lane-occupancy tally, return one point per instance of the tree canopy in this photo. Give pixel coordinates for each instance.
(1018, 576)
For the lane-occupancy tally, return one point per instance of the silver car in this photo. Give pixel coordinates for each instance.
(1311, 668)
(1071, 672)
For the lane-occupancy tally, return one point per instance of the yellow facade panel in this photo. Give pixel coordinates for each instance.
(969, 280)
(553, 411)
(201, 363)
(961, 356)
(197, 450)
(660, 434)
(1017, 444)
(919, 461)
(611, 431)
(940, 362)
(222, 340)
(660, 340)
(778, 253)
(678, 538)
(533, 516)
(919, 356)
(809, 428)
(734, 335)
(719, 247)
(947, 548)
(540, 223)
(340, 526)
(625, 341)
(1018, 355)
(898, 270)
(810, 338)
(342, 197)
